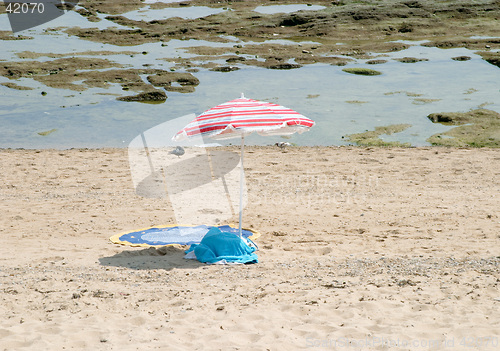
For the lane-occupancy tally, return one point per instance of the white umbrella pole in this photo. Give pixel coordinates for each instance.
(241, 181)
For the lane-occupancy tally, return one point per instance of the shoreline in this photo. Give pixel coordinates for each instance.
(272, 147)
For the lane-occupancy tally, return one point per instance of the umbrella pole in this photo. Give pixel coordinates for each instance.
(241, 182)
(148, 154)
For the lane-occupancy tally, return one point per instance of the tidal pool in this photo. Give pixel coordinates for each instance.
(403, 93)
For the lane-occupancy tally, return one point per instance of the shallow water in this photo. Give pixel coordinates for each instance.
(272, 9)
(147, 14)
(339, 102)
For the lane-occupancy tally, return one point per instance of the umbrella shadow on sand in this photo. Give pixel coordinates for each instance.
(166, 258)
(188, 174)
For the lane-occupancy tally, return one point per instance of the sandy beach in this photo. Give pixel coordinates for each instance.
(361, 249)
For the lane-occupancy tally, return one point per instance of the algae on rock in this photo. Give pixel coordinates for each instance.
(477, 128)
(372, 137)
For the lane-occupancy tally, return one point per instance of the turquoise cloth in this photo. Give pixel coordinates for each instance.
(217, 245)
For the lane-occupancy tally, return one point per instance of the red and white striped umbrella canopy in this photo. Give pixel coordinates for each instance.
(243, 116)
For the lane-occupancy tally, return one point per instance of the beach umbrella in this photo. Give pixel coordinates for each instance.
(240, 117)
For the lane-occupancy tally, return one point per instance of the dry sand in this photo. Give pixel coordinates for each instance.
(361, 249)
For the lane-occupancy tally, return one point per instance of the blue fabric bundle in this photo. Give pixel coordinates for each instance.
(217, 245)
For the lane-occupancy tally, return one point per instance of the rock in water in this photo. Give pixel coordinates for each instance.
(150, 96)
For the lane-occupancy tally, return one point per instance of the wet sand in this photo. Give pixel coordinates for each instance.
(375, 248)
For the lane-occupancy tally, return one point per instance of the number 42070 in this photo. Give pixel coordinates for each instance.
(25, 7)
